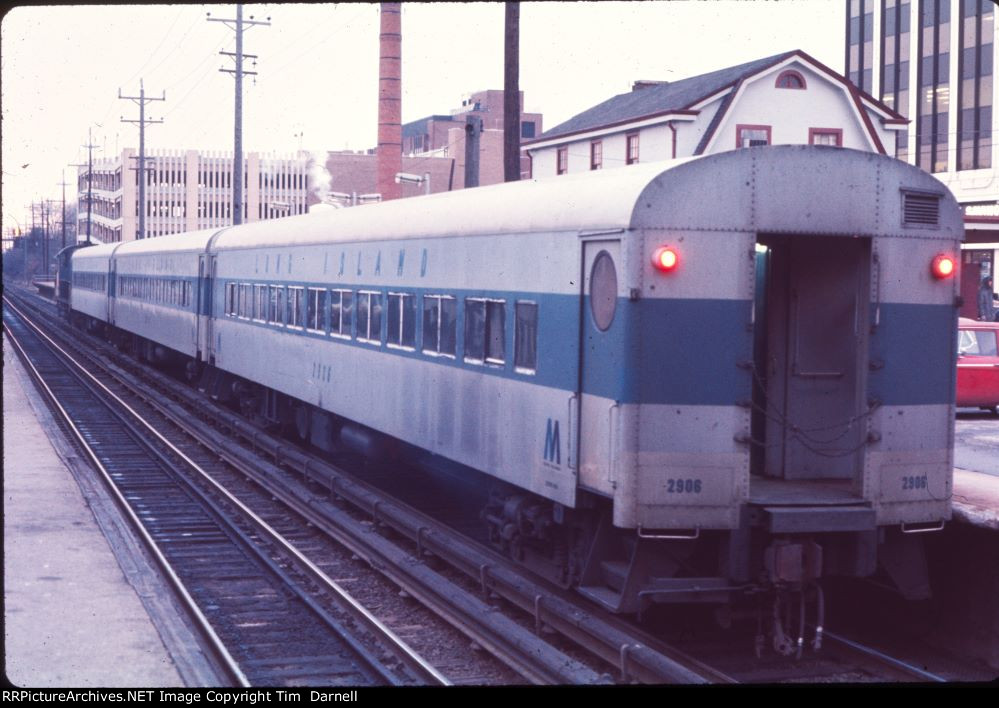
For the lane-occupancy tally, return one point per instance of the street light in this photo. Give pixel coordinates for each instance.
(407, 178)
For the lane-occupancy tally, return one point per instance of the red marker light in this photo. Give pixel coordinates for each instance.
(942, 267)
(665, 259)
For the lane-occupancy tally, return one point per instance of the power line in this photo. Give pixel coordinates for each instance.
(325, 38)
(176, 47)
(162, 40)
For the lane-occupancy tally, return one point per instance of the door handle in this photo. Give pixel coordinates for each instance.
(571, 445)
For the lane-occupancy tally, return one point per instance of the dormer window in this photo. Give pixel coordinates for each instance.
(790, 79)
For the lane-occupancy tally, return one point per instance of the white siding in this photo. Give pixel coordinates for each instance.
(791, 112)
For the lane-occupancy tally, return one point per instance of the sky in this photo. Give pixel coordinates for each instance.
(62, 67)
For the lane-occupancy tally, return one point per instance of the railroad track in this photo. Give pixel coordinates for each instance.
(409, 544)
(262, 608)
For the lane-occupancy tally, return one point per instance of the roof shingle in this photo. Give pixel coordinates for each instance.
(662, 98)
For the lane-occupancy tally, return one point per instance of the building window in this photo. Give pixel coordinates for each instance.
(825, 136)
(932, 79)
(790, 79)
(895, 53)
(562, 158)
(527, 129)
(596, 155)
(632, 149)
(752, 135)
(860, 42)
(975, 63)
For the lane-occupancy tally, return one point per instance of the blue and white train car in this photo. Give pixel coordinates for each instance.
(91, 282)
(686, 377)
(156, 291)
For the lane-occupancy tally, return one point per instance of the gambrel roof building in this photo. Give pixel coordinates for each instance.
(787, 98)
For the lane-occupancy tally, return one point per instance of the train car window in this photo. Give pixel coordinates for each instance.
(440, 319)
(475, 330)
(314, 311)
(431, 324)
(402, 320)
(246, 300)
(525, 338)
(230, 299)
(495, 332)
(369, 316)
(485, 331)
(260, 306)
(603, 291)
(449, 325)
(277, 305)
(341, 312)
(296, 306)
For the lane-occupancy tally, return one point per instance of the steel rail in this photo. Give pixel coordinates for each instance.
(222, 655)
(422, 667)
(530, 656)
(279, 450)
(635, 659)
(897, 664)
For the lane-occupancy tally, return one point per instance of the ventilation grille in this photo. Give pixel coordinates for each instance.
(920, 209)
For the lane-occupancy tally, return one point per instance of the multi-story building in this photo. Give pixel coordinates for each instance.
(784, 99)
(444, 136)
(934, 61)
(186, 191)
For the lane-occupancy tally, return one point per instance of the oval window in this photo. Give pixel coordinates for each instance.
(603, 290)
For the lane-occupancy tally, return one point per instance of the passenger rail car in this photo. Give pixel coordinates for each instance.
(689, 379)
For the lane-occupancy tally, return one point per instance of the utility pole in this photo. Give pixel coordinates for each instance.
(141, 100)
(237, 152)
(31, 235)
(90, 171)
(473, 129)
(46, 207)
(511, 94)
(63, 183)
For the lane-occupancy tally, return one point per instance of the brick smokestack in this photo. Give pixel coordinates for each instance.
(390, 100)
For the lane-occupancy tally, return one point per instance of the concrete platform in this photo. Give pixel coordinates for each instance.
(83, 607)
(976, 499)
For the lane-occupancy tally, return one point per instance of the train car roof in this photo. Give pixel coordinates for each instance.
(779, 189)
(583, 201)
(174, 243)
(101, 251)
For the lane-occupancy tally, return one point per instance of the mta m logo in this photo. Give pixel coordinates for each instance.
(552, 446)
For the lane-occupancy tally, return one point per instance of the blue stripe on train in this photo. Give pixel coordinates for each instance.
(913, 355)
(684, 351)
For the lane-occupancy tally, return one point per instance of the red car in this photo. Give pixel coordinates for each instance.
(978, 364)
